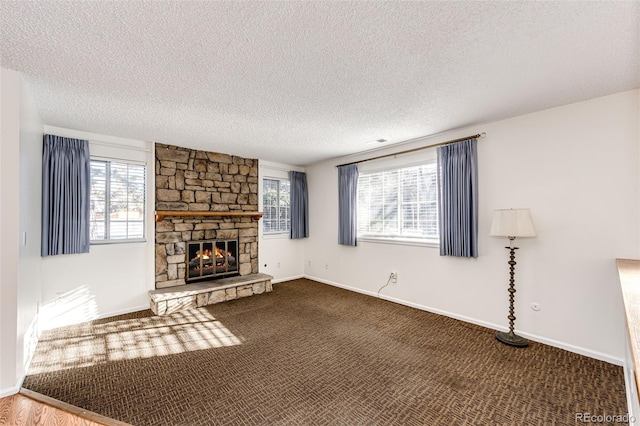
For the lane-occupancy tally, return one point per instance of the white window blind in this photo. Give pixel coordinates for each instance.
(399, 203)
(276, 206)
(117, 201)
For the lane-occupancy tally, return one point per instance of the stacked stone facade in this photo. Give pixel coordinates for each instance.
(191, 180)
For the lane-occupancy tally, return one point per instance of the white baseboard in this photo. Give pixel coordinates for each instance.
(633, 403)
(32, 333)
(123, 311)
(280, 280)
(11, 391)
(99, 316)
(540, 339)
(630, 387)
(572, 348)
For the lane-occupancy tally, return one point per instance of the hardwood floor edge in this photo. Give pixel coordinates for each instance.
(71, 409)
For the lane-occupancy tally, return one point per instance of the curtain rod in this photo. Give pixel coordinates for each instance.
(478, 136)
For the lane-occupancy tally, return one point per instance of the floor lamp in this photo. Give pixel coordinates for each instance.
(512, 223)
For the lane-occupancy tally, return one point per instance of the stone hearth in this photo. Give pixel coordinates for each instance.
(174, 299)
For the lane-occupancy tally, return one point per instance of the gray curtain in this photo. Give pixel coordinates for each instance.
(66, 172)
(299, 205)
(458, 206)
(347, 204)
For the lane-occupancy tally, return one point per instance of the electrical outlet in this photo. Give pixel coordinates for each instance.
(309, 263)
(393, 277)
(278, 265)
(326, 266)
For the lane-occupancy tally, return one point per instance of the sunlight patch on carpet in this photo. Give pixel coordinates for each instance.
(95, 343)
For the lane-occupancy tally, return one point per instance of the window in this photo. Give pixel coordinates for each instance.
(277, 212)
(399, 204)
(117, 201)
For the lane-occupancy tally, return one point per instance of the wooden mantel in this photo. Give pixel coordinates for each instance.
(160, 215)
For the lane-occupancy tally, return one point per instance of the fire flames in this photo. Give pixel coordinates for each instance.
(207, 253)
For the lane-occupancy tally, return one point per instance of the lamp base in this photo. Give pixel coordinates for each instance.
(512, 339)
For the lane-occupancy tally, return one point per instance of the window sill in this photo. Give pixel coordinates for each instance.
(275, 236)
(400, 241)
(110, 242)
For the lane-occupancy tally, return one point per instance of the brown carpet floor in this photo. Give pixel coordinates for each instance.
(312, 354)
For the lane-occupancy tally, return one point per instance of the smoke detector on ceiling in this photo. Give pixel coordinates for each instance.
(377, 141)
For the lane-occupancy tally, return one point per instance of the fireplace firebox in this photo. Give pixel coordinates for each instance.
(211, 259)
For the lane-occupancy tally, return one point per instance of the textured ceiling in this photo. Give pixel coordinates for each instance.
(299, 82)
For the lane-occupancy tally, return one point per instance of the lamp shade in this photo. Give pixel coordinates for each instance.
(512, 223)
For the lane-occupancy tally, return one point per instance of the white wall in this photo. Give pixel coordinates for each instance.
(577, 168)
(9, 155)
(29, 224)
(279, 256)
(112, 278)
(20, 273)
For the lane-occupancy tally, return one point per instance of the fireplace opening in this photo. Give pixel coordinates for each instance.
(211, 259)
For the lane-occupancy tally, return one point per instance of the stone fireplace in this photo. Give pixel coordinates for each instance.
(188, 180)
(205, 201)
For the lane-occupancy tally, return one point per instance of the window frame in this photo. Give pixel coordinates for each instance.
(108, 241)
(391, 166)
(279, 233)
